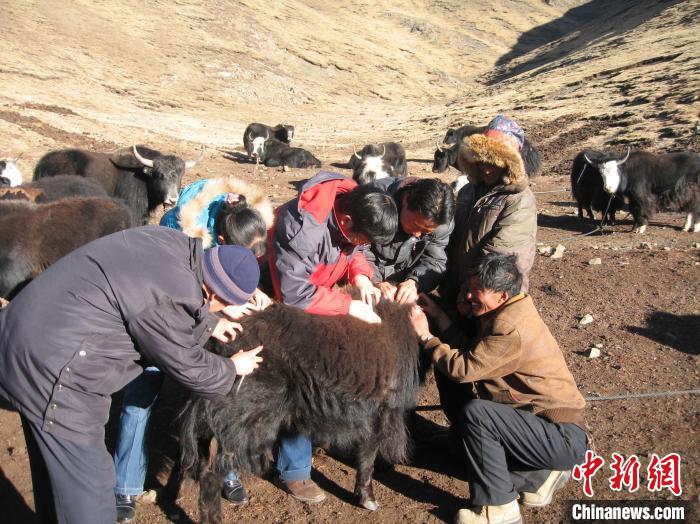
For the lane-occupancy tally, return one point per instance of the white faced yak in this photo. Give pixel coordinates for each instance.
(335, 379)
(655, 182)
(34, 236)
(375, 162)
(144, 178)
(255, 135)
(587, 187)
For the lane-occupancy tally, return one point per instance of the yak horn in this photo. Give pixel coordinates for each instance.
(267, 134)
(438, 146)
(191, 163)
(17, 158)
(145, 161)
(629, 150)
(588, 160)
(383, 150)
(250, 137)
(354, 152)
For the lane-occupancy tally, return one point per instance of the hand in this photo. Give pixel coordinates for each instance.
(238, 312)
(225, 330)
(435, 312)
(407, 292)
(247, 361)
(388, 290)
(420, 322)
(260, 300)
(359, 309)
(368, 293)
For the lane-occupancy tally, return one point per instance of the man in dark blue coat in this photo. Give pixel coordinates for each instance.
(88, 325)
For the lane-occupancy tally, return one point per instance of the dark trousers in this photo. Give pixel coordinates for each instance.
(503, 445)
(73, 483)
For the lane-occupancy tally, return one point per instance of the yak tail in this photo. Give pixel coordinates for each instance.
(190, 437)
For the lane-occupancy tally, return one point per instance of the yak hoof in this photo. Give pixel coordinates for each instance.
(371, 505)
(640, 230)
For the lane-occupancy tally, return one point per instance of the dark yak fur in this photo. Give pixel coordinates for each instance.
(334, 378)
(587, 187)
(34, 236)
(122, 175)
(282, 132)
(276, 153)
(366, 171)
(445, 157)
(660, 182)
(55, 188)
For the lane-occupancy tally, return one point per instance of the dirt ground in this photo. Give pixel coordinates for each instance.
(573, 73)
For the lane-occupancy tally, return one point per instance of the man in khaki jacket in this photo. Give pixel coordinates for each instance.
(524, 411)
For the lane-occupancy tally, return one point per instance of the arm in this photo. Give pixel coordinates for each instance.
(295, 263)
(495, 355)
(514, 228)
(165, 335)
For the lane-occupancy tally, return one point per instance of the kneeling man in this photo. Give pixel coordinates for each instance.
(525, 412)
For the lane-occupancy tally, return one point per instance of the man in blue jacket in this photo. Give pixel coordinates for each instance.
(88, 325)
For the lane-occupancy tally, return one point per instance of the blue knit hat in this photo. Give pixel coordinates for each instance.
(502, 125)
(231, 272)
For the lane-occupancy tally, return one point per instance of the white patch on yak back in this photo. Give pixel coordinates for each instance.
(459, 183)
(257, 149)
(12, 174)
(611, 176)
(374, 164)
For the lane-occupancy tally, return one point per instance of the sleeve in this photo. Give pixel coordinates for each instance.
(493, 356)
(295, 261)
(167, 335)
(359, 265)
(377, 273)
(513, 229)
(432, 264)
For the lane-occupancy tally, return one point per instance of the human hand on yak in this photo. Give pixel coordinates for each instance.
(364, 312)
(369, 294)
(260, 300)
(407, 292)
(226, 331)
(247, 361)
(435, 312)
(420, 323)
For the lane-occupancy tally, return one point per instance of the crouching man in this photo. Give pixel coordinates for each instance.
(525, 411)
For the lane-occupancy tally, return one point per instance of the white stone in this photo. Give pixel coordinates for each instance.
(559, 251)
(148, 497)
(545, 250)
(595, 262)
(593, 352)
(585, 319)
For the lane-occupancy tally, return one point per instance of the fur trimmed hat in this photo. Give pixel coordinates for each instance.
(499, 145)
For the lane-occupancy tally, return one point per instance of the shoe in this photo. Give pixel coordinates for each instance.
(543, 496)
(126, 508)
(234, 492)
(506, 514)
(304, 490)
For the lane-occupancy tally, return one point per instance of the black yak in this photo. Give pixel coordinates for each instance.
(587, 187)
(375, 162)
(143, 178)
(255, 135)
(55, 188)
(655, 182)
(275, 153)
(34, 236)
(334, 378)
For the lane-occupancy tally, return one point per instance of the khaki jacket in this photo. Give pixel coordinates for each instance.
(516, 361)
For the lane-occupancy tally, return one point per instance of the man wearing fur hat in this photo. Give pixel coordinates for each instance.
(496, 212)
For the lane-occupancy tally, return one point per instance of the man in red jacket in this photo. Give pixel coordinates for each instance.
(318, 240)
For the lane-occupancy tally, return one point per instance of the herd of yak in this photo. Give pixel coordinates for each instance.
(359, 403)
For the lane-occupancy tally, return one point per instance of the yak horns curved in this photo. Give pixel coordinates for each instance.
(145, 161)
(383, 150)
(588, 160)
(354, 152)
(191, 163)
(629, 150)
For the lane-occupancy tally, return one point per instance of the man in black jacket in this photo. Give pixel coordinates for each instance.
(415, 260)
(88, 325)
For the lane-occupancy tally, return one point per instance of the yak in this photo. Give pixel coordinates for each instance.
(375, 162)
(587, 187)
(655, 182)
(144, 178)
(55, 188)
(338, 380)
(34, 236)
(446, 154)
(255, 135)
(9, 173)
(275, 153)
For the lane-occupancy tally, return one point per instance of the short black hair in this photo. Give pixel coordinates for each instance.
(430, 197)
(499, 272)
(240, 224)
(373, 213)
